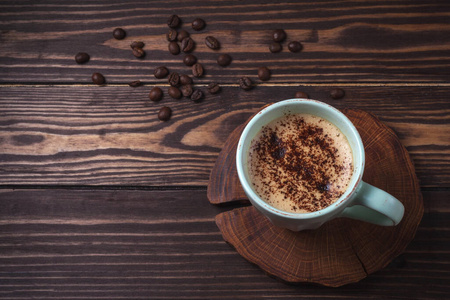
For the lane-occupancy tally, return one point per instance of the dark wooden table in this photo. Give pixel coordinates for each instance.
(101, 200)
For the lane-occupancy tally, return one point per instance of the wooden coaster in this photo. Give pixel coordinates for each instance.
(340, 252)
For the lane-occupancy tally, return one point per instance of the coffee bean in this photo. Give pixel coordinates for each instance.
(186, 90)
(98, 78)
(182, 35)
(295, 46)
(189, 60)
(135, 83)
(174, 79)
(197, 70)
(138, 52)
(82, 57)
(187, 45)
(119, 34)
(337, 93)
(301, 95)
(264, 73)
(174, 48)
(213, 88)
(165, 113)
(275, 47)
(198, 24)
(212, 42)
(197, 95)
(184, 79)
(171, 36)
(155, 94)
(160, 72)
(137, 44)
(223, 60)
(245, 83)
(174, 92)
(279, 35)
(173, 21)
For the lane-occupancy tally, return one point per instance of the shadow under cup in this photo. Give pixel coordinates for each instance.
(300, 221)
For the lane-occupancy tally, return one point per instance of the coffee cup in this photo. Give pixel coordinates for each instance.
(357, 200)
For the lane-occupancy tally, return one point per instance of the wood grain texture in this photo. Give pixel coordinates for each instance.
(118, 244)
(111, 135)
(366, 41)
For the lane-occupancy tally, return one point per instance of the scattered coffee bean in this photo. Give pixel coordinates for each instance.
(301, 95)
(135, 83)
(171, 36)
(213, 88)
(160, 72)
(174, 92)
(184, 79)
(223, 60)
(119, 34)
(197, 95)
(279, 35)
(264, 73)
(198, 24)
(295, 46)
(98, 78)
(82, 57)
(212, 42)
(245, 83)
(189, 60)
(186, 90)
(197, 70)
(165, 113)
(173, 21)
(182, 35)
(187, 45)
(138, 52)
(337, 93)
(137, 44)
(275, 47)
(155, 94)
(174, 79)
(174, 48)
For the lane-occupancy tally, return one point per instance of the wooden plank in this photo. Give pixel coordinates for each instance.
(117, 244)
(111, 135)
(345, 41)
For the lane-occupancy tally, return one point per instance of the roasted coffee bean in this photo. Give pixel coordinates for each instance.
(189, 60)
(174, 48)
(172, 35)
(275, 47)
(224, 60)
(155, 94)
(264, 73)
(186, 90)
(245, 83)
(174, 92)
(295, 46)
(197, 95)
(173, 21)
(337, 93)
(165, 113)
(119, 34)
(213, 88)
(82, 57)
(138, 52)
(98, 78)
(174, 79)
(279, 35)
(135, 83)
(187, 45)
(160, 72)
(198, 24)
(197, 70)
(137, 44)
(184, 79)
(182, 35)
(212, 42)
(301, 95)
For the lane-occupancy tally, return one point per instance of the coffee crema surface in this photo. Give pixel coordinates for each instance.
(300, 163)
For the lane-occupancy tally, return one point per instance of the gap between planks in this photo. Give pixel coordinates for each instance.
(234, 85)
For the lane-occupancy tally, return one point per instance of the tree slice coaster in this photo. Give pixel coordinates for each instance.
(340, 252)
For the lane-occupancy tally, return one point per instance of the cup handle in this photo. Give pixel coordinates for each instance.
(375, 206)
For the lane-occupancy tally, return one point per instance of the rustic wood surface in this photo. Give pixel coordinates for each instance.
(101, 200)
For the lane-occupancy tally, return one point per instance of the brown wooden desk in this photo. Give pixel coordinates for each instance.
(101, 200)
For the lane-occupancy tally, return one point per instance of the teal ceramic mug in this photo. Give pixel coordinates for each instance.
(360, 201)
